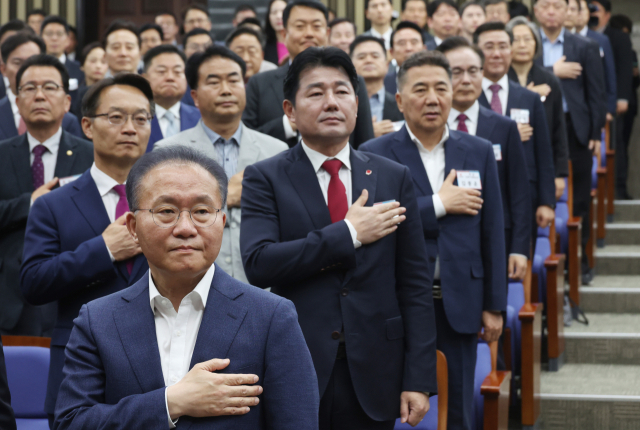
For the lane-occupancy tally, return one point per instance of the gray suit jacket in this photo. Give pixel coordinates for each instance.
(254, 147)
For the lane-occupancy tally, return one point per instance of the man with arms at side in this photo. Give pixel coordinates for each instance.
(472, 15)
(248, 43)
(164, 68)
(576, 62)
(15, 51)
(357, 276)
(77, 247)
(462, 227)
(370, 60)
(406, 39)
(305, 24)
(444, 21)
(32, 164)
(510, 99)
(216, 77)
(122, 47)
(380, 13)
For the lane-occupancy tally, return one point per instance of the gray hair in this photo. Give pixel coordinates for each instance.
(419, 59)
(521, 20)
(170, 155)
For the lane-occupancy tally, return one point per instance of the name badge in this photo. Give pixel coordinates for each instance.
(73, 84)
(497, 151)
(469, 179)
(520, 115)
(67, 180)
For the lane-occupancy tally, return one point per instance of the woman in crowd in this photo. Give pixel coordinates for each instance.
(275, 50)
(94, 66)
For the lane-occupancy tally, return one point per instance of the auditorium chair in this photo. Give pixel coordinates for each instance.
(574, 249)
(491, 390)
(601, 209)
(610, 155)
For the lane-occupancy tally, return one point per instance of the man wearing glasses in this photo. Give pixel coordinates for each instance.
(187, 340)
(77, 247)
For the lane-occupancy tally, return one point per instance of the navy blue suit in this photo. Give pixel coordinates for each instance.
(66, 259)
(113, 375)
(390, 84)
(471, 254)
(73, 68)
(609, 68)
(537, 150)
(379, 295)
(431, 45)
(8, 129)
(189, 117)
(187, 99)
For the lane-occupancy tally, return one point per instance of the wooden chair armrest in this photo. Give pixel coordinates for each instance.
(496, 382)
(44, 342)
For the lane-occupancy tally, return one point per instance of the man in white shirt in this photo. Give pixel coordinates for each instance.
(444, 20)
(122, 47)
(380, 13)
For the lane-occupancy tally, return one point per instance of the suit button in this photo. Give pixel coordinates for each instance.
(335, 335)
(344, 292)
(228, 259)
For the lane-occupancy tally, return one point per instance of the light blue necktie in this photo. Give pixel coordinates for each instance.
(173, 127)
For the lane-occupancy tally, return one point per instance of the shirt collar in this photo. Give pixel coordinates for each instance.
(386, 34)
(175, 110)
(471, 113)
(317, 159)
(63, 58)
(421, 148)
(560, 38)
(199, 294)
(51, 143)
(236, 138)
(584, 31)
(104, 182)
(437, 40)
(380, 94)
(503, 82)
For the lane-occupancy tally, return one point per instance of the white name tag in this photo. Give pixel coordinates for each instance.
(73, 84)
(497, 151)
(520, 115)
(469, 179)
(68, 180)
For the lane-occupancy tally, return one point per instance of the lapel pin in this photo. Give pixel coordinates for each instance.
(69, 152)
(368, 172)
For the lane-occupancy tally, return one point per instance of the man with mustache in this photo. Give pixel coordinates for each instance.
(164, 68)
(217, 79)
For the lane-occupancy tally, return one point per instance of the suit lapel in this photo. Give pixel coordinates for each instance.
(156, 133)
(512, 100)
(454, 153)
(485, 125)
(22, 163)
(249, 149)
(8, 125)
(407, 153)
(89, 203)
(66, 156)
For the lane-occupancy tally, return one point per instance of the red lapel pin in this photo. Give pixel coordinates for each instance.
(368, 172)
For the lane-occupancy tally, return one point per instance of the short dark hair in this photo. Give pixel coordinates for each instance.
(54, 19)
(250, 20)
(87, 50)
(196, 60)
(423, 58)
(168, 155)
(406, 24)
(152, 26)
(159, 50)
(492, 2)
(37, 12)
(13, 42)
(606, 4)
(91, 99)
(434, 5)
(244, 30)
(471, 3)
(121, 24)
(166, 12)
(244, 8)
(195, 32)
(343, 20)
(620, 21)
(459, 42)
(15, 25)
(491, 26)
(366, 38)
(314, 57)
(44, 60)
(303, 3)
(519, 9)
(190, 7)
(404, 3)
(73, 30)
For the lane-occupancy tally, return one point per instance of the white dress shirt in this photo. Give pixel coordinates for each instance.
(472, 118)
(437, 40)
(164, 122)
(110, 197)
(177, 332)
(503, 94)
(386, 36)
(14, 107)
(317, 159)
(50, 156)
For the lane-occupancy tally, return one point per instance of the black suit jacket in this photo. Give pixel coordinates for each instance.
(585, 95)
(390, 84)
(75, 155)
(555, 115)
(3, 89)
(623, 57)
(390, 109)
(7, 420)
(264, 111)
(73, 68)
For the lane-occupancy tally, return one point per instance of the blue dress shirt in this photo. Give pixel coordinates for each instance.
(376, 102)
(551, 53)
(227, 150)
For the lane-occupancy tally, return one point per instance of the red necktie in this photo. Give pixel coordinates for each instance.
(22, 127)
(461, 123)
(496, 104)
(37, 167)
(336, 194)
(122, 208)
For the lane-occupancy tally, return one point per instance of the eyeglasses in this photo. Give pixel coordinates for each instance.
(58, 34)
(196, 21)
(166, 216)
(140, 119)
(472, 71)
(30, 90)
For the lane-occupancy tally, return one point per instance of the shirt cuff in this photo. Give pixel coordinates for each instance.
(172, 424)
(623, 100)
(520, 255)
(354, 234)
(438, 207)
(288, 130)
(113, 259)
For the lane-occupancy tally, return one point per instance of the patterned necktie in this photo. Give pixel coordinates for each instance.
(22, 127)
(173, 127)
(37, 167)
(461, 123)
(122, 208)
(496, 105)
(337, 193)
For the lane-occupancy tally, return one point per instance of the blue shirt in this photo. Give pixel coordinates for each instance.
(376, 103)
(551, 53)
(227, 150)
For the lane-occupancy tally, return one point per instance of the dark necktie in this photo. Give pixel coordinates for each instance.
(337, 193)
(122, 208)
(462, 126)
(37, 168)
(496, 105)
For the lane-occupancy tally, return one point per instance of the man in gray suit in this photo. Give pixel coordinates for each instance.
(216, 78)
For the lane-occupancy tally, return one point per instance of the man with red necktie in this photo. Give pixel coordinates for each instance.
(77, 246)
(338, 232)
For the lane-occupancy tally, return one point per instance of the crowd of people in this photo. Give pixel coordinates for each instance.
(366, 199)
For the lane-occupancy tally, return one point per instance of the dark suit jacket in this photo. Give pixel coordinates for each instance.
(66, 259)
(73, 68)
(271, 52)
(76, 104)
(16, 186)
(585, 95)
(8, 127)
(7, 420)
(264, 110)
(378, 294)
(537, 150)
(470, 248)
(189, 117)
(390, 109)
(431, 45)
(609, 67)
(3, 90)
(187, 99)
(113, 375)
(390, 84)
(622, 53)
(555, 115)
